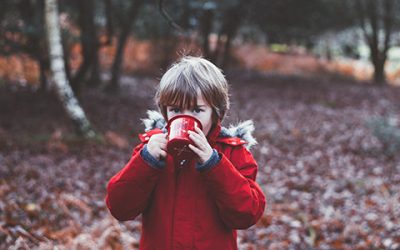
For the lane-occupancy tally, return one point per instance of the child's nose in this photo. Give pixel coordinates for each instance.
(187, 112)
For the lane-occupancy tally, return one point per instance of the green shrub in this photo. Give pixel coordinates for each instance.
(387, 130)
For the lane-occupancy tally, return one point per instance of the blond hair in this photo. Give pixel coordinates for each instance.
(186, 78)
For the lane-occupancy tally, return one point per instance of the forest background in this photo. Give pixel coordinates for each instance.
(319, 78)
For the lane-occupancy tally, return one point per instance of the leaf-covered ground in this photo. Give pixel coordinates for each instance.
(330, 183)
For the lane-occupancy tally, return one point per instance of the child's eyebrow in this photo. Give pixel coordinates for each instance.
(196, 106)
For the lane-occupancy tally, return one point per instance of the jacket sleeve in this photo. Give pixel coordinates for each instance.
(130, 190)
(231, 183)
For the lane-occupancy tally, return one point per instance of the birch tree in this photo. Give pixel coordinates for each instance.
(61, 84)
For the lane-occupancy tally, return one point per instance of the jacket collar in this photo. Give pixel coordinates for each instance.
(214, 133)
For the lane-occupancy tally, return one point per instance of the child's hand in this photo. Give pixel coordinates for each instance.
(201, 146)
(157, 146)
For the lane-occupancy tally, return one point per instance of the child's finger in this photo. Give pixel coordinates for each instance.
(162, 141)
(161, 137)
(202, 156)
(195, 135)
(192, 133)
(197, 140)
(163, 154)
(200, 132)
(195, 150)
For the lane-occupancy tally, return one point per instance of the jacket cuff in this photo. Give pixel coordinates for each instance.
(153, 162)
(210, 163)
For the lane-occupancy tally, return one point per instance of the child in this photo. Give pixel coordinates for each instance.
(201, 203)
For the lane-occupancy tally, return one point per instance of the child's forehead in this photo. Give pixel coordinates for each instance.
(195, 101)
(183, 105)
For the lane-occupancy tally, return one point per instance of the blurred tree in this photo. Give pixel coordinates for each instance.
(90, 45)
(284, 21)
(61, 84)
(167, 17)
(151, 25)
(185, 20)
(206, 24)
(92, 18)
(231, 21)
(109, 21)
(208, 21)
(292, 21)
(198, 18)
(222, 18)
(22, 30)
(125, 20)
(377, 19)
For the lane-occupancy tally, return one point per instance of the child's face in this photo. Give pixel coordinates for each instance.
(203, 112)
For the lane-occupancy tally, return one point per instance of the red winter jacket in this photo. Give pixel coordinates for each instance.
(184, 208)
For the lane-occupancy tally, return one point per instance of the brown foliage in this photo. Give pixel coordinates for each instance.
(328, 183)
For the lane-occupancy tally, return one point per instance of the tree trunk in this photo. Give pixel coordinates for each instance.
(126, 30)
(233, 16)
(61, 84)
(167, 43)
(379, 72)
(33, 13)
(90, 47)
(206, 21)
(94, 79)
(89, 39)
(67, 68)
(116, 67)
(43, 66)
(109, 21)
(226, 58)
(369, 15)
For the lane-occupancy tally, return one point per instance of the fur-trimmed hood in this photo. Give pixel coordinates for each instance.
(242, 130)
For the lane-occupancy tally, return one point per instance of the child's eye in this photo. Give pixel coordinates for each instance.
(197, 110)
(175, 110)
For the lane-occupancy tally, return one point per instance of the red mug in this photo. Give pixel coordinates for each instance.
(178, 136)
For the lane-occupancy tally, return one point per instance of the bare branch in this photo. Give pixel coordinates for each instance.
(361, 15)
(388, 23)
(171, 22)
(373, 21)
(109, 22)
